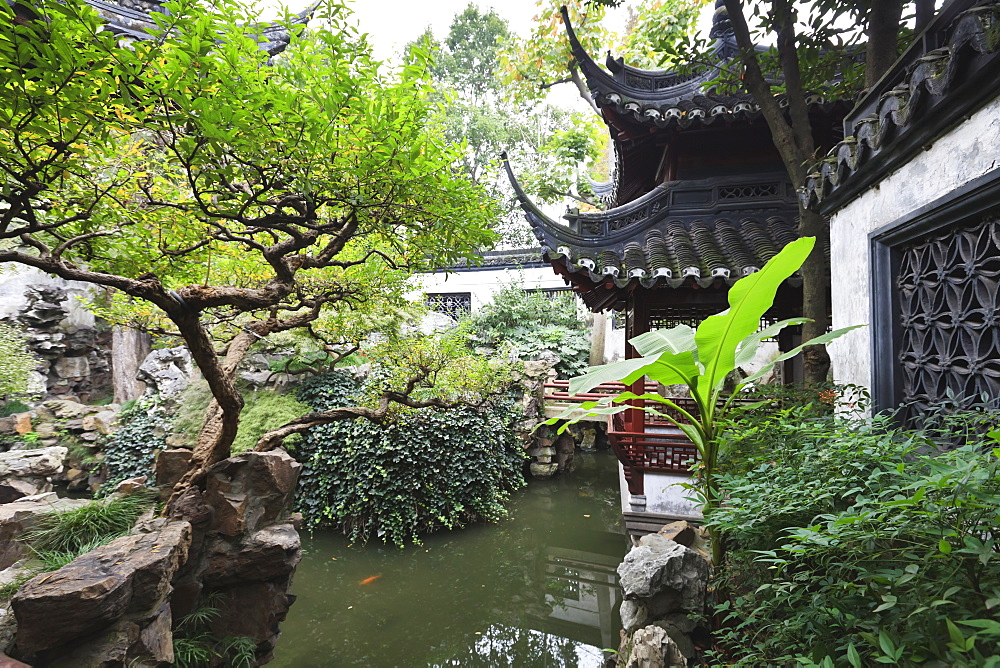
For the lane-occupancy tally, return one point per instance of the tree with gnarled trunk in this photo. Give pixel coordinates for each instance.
(797, 37)
(238, 197)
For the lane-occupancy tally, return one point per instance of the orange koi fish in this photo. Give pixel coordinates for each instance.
(370, 580)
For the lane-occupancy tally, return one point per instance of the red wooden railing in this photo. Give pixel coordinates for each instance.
(660, 448)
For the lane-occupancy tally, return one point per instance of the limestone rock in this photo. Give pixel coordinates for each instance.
(19, 516)
(32, 463)
(103, 422)
(680, 532)
(634, 615)
(166, 371)
(543, 470)
(72, 367)
(65, 409)
(255, 611)
(251, 490)
(17, 488)
(130, 486)
(22, 423)
(143, 642)
(130, 574)
(268, 554)
(653, 648)
(170, 466)
(667, 575)
(7, 662)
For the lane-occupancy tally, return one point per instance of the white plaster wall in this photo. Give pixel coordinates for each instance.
(485, 283)
(966, 152)
(15, 280)
(665, 495)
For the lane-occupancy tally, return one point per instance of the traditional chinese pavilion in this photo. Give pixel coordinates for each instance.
(699, 198)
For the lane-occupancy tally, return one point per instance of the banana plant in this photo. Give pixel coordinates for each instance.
(701, 359)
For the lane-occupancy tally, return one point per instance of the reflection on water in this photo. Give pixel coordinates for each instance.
(537, 590)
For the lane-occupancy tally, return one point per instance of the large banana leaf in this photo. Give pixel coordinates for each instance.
(675, 340)
(668, 368)
(822, 338)
(718, 336)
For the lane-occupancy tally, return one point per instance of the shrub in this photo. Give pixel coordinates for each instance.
(531, 323)
(16, 363)
(262, 411)
(418, 472)
(851, 547)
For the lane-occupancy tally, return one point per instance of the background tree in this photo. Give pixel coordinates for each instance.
(544, 59)
(816, 49)
(237, 198)
(550, 147)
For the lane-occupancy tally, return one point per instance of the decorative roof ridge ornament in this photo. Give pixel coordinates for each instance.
(660, 87)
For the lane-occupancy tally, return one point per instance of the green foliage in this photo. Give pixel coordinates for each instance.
(16, 363)
(750, 430)
(196, 647)
(129, 452)
(702, 359)
(852, 547)
(264, 411)
(441, 364)
(59, 537)
(13, 407)
(420, 471)
(529, 323)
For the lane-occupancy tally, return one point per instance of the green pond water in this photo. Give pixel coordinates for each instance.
(538, 589)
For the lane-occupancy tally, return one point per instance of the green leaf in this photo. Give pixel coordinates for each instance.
(749, 298)
(944, 546)
(853, 656)
(822, 338)
(675, 340)
(956, 635)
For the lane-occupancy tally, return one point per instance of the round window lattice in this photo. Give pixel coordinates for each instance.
(950, 316)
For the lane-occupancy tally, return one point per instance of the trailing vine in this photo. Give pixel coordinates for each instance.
(417, 472)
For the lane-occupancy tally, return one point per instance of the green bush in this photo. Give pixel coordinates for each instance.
(531, 323)
(850, 546)
(263, 410)
(419, 472)
(16, 362)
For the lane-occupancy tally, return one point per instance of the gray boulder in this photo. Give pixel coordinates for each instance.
(19, 516)
(167, 371)
(652, 647)
(126, 580)
(32, 463)
(665, 575)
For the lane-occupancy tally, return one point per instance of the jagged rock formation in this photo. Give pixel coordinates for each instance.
(233, 543)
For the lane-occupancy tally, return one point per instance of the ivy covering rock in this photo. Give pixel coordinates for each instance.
(418, 472)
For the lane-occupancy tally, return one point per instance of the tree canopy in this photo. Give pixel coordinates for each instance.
(238, 197)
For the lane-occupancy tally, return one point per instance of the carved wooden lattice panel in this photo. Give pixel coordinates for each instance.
(455, 304)
(950, 328)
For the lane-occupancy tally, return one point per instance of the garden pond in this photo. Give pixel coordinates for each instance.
(538, 589)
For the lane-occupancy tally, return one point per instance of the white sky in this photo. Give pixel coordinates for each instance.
(391, 24)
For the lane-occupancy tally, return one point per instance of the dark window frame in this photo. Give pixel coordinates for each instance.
(972, 201)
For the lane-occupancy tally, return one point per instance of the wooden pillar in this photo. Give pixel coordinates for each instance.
(636, 323)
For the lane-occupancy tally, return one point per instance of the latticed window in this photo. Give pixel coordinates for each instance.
(949, 316)
(455, 304)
